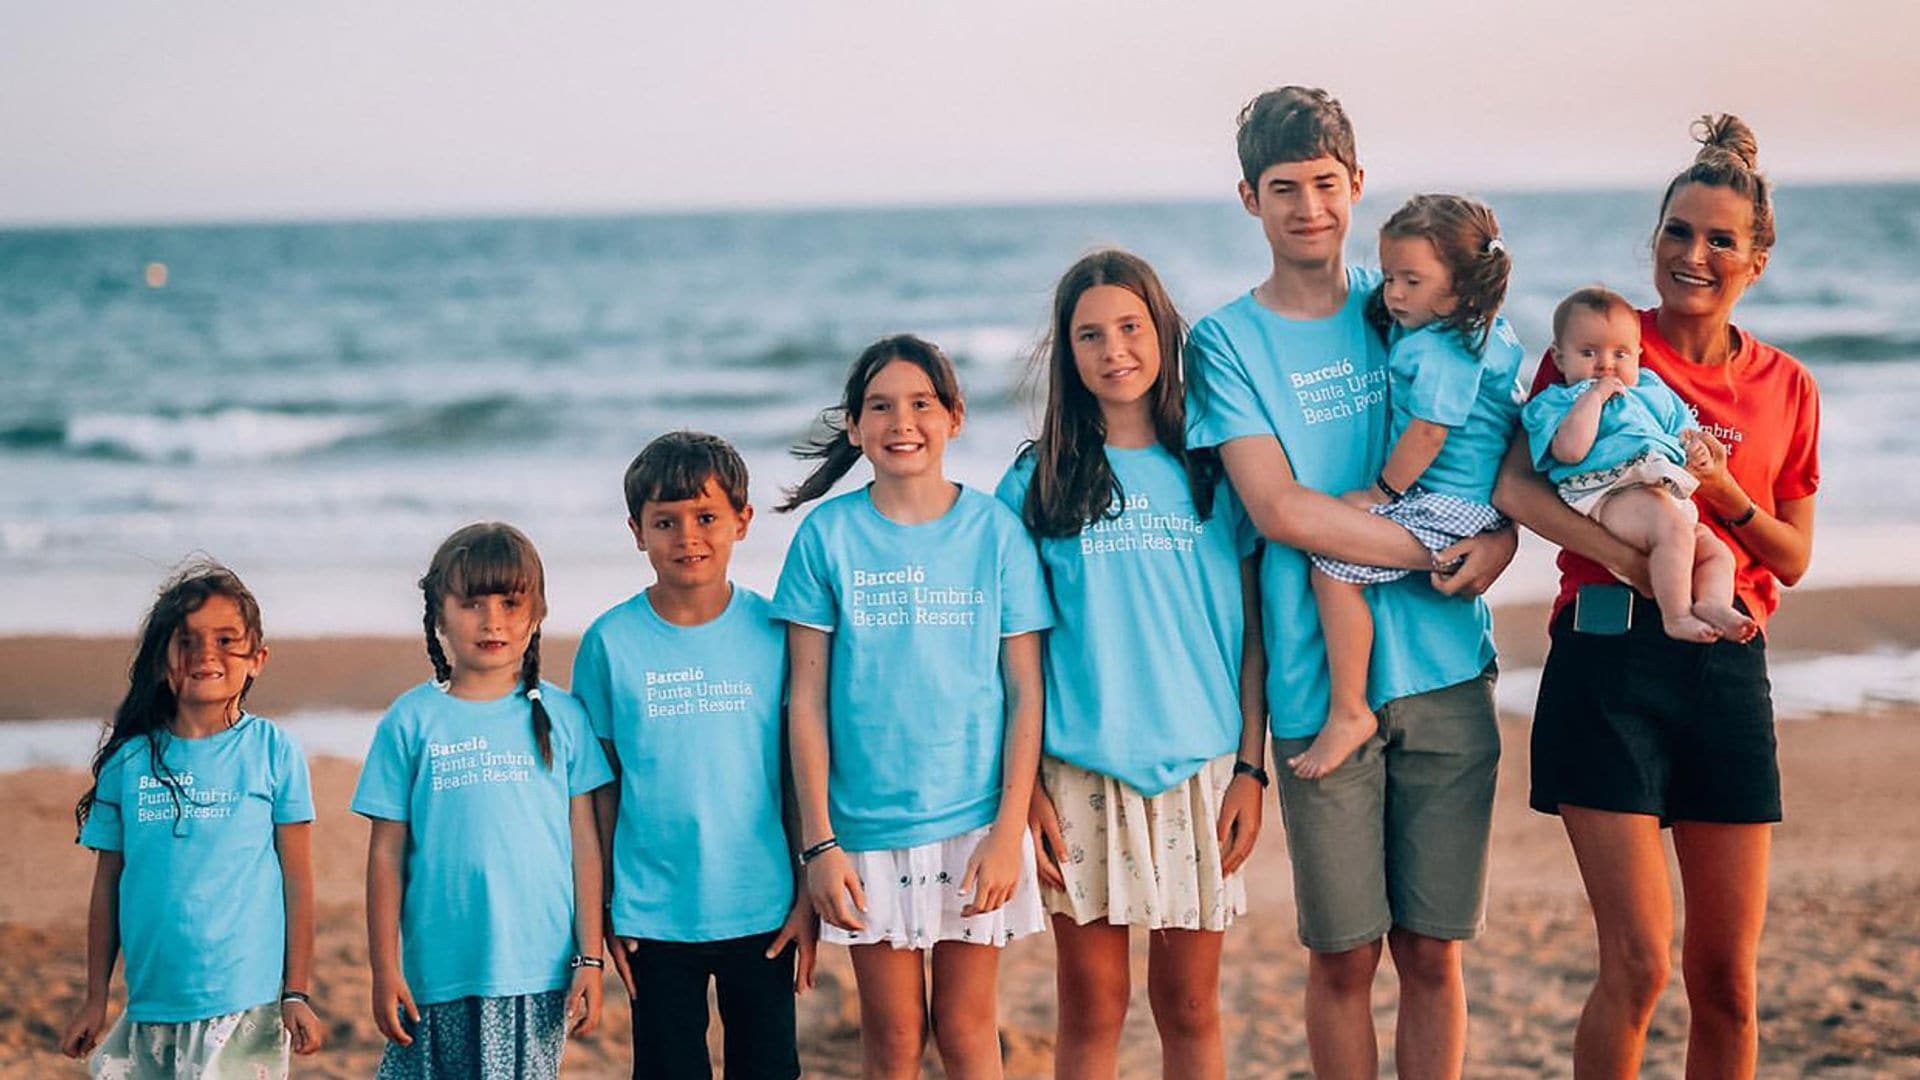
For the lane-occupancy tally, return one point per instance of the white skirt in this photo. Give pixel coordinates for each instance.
(914, 898)
(1586, 491)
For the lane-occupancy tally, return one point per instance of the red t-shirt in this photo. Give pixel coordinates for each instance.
(1762, 404)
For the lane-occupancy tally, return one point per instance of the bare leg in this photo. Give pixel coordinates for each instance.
(966, 1010)
(1094, 978)
(1183, 983)
(1430, 1042)
(1653, 521)
(1348, 626)
(1340, 1014)
(1713, 587)
(1723, 870)
(893, 1010)
(1624, 867)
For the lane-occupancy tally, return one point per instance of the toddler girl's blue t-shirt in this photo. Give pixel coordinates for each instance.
(203, 914)
(694, 715)
(1648, 417)
(916, 704)
(1436, 375)
(488, 906)
(1143, 662)
(1319, 386)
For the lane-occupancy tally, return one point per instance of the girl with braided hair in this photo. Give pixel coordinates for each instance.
(483, 867)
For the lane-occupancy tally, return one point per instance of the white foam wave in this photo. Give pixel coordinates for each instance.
(228, 435)
(1803, 687)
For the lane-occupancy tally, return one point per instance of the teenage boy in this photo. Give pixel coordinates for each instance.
(684, 685)
(1291, 385)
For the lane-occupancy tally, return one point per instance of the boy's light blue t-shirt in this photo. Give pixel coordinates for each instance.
(916, 704)
(694, 714)
(1437, 376)
(203, 914)
(1320, 387)
(1648, 417)
(1143, 662)
(487, 909)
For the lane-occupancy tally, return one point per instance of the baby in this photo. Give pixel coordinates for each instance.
(1616, 441)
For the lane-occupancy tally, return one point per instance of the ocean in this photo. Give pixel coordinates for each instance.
(318, 404)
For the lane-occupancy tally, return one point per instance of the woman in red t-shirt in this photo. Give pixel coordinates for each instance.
(1634, 730)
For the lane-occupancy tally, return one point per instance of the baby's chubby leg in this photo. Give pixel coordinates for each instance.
(1348, 625)
(1655, 522)
(1713, 587)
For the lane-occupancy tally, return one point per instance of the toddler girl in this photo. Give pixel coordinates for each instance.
(1452, 385)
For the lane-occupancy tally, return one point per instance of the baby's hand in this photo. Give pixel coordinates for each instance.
(1608, 386)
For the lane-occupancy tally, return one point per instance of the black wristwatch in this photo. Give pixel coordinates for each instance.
(1244, 768)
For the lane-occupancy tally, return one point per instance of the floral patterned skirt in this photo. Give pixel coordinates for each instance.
(247, 1045)
(483, 1038)
(1138, 860)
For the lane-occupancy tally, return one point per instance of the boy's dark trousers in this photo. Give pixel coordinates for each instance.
(756, 1009)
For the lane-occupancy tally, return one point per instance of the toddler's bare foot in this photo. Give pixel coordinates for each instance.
(1686, 627)
(1346, 730)
(1727, 619)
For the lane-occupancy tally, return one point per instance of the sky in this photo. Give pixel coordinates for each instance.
(135, 111)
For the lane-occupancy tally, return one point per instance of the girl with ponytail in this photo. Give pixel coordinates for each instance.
(483, 868)
(1452, 388)
(913, 611)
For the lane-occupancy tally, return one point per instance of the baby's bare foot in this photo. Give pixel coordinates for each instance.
(1686, 627)
(1727, 619)
(1346, 730)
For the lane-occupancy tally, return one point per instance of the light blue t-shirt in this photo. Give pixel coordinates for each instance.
(488, 905)
(203, 911)
(1648, 417)
(916, 703)
(1143, 663)
(1435, 375)
(1320, 387)
(694, 715)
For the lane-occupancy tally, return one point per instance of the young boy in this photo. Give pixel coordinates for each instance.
(1290, 384)
(684, 685)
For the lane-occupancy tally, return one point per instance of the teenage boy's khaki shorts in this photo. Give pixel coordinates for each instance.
(1397, 835)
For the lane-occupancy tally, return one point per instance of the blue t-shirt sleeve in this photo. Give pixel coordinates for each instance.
(805, 594)
(1446, 377)
(593, 682)
(1012, 489)
(292, 784)
(1542, 416)
(1222, 403)
(1232, 514)
(1024, 607)
(587, 768)
(104, 831)
(386, 780)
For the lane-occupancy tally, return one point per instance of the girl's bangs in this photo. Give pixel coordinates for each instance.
(493, 565)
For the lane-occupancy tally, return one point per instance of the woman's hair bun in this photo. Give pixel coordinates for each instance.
(1726, 135)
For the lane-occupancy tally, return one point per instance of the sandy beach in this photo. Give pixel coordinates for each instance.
(1840, 970)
